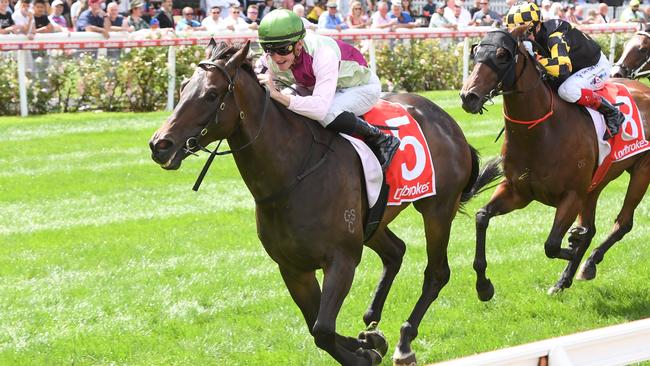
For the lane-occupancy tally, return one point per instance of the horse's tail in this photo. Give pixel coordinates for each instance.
(480, 178)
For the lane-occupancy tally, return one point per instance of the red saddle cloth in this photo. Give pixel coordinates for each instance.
(410, 174)
(630, 139)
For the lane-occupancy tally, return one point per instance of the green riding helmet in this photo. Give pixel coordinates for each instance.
(280, 27)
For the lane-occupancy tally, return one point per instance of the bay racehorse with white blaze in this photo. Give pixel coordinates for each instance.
(306, 181)
(550, 153)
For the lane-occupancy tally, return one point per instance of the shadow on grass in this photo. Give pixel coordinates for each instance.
(621, 302)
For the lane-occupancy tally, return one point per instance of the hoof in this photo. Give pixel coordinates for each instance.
(587, 272)
(374, 339)
(555, 290)
(485, 293)
(400, 359)
(371, 355)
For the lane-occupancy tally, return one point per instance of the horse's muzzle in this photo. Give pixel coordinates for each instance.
(472, 102)
(163, 152)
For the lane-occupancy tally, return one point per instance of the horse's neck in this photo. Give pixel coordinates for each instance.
(270, 163)
(531, 101)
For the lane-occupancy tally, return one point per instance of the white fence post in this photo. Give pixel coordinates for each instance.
(465, 59)
(612, 47)
(373, 59)
(21, 56)
(171, 77)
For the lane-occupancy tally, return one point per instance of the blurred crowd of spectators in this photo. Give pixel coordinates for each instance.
(104, 16)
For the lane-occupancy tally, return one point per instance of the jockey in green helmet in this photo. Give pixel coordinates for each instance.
(341, 85)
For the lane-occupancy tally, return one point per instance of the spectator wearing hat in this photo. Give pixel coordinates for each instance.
(165, 16)
(135, 20)
(331, 19)
(404, 20)
(486, 16)
(92, 19)
(457, 14)
(188, 23)
(56, 17)
(633, 14)
(114, 21)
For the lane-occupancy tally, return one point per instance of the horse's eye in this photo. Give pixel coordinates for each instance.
(503, 55)
(211, 95)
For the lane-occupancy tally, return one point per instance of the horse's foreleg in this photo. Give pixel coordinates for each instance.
(504, 200)
(391, 250)
(436, 276)
(337, 280)
(305, 292)
(639, 180)
(579, 240)
(565, 215)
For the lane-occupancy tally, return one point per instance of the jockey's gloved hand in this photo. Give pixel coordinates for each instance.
(529, 47)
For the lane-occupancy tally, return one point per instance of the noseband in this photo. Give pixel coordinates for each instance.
(192, 144)
(637, 72)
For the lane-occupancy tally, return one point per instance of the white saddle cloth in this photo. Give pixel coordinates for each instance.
(371, 168)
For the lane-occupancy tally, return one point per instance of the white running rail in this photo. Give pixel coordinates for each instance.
(621, 344)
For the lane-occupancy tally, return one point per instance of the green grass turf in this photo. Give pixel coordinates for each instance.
(107, 259)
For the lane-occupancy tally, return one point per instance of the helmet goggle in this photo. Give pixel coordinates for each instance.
(281, 50)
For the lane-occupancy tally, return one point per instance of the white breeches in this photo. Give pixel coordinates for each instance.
(357, 99)
(592, 77)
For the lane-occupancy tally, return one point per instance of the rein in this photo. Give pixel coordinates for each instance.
(637, 72)
(192, 144)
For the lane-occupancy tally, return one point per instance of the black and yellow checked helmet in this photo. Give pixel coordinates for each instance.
(523, 14)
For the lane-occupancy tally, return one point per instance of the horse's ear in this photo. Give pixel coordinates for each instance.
(211, 46)
(520, 32)
(239, 57)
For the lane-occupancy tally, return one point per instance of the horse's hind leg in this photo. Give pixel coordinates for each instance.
(504, 200)
(639, 180)
(306, 293)
(436, 276)
(391, 250)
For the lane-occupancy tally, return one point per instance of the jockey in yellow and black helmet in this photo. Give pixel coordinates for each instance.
(572, 58)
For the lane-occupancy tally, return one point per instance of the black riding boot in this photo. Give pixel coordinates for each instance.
(383, 145)
(613, 118)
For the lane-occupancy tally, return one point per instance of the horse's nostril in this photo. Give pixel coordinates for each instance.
(162, 145)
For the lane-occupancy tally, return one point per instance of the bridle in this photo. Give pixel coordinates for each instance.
(192, 144)
(508, 78)
(637, 72)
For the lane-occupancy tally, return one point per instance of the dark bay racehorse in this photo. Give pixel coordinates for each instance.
(310, 196)
(550, 154)
(635, 60)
